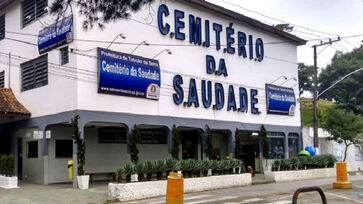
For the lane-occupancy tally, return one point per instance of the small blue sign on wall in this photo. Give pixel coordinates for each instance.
(280, 100)
(128, 75)
(55, 35)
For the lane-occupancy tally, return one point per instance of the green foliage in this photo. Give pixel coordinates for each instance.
(176, 143)
(149, 167)
(98, 12)
(349, 92)
(133, 139)
(238, 148)
(128, 169)
(265, 144)
(160, 165)
(344, 126)
(7, 165)
(209, 150)
(306, 77)
(140, 168)
(170, 164)
(120, 174)
(307, 106)
(284, 27)
(81, 147)
(295, 163)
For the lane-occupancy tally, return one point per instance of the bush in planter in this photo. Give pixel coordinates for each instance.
(187, 166)
(160, 168)
(149, 169)
(7, 165)
(128, 170)
(119, 175)
(170, 165)
(140, 169)
(206, 165)
(295, 163)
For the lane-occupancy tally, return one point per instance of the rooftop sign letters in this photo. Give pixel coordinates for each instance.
(128, 75)
(55, 35)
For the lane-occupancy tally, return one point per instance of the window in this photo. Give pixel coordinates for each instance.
(293, 144)
(63, 148)
(34, 73)
(2, 27)
(154, 136)
(32, 149)
(33, 9)
(112, 135)
(277, 144)
(2, 79)
(64, 55)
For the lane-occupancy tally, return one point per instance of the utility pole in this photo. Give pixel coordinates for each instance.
(316, 140)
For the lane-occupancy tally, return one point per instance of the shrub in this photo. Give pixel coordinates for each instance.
(140, 168)
(170, 164)
(7, 165)
(119, 174)
(129, 169)
(159, 165)
(149, 167)
(302, 162)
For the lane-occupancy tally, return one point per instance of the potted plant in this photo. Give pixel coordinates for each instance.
(7, 172)
(141, 171)
(120, 175)
(214, 167)
(170, 165)
(160, 166)
(149, 169)
(82, 179)
(205, 167)
(128, 170)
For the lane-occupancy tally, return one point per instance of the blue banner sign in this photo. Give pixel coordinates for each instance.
(280, 100)
(55, 35)
(128, 75)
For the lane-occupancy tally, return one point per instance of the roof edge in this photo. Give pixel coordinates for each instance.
(250, 21)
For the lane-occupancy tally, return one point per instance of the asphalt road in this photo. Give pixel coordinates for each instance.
(273, 193)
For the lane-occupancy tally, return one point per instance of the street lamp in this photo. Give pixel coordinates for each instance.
(293, 78)
(164, 50)
(121, 35)
(278, 79)
(141, 43)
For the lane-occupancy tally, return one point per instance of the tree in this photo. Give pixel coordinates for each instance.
(349, 92)
(210, 149)
(306, 74)
(285, 27)
(99, 12)
(133, 139)
(176, 143)
(238, 149)
(344, 126)
(81, 147)
(265, 144)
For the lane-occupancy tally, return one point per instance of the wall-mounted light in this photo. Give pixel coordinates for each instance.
(278, 79)
(293, 78)
(141, 43)
(165, 50)
(121, 35)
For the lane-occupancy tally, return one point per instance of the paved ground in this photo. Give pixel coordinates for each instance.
(274, 193)
(278, 193)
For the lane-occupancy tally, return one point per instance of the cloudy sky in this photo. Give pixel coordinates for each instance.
(329, 17)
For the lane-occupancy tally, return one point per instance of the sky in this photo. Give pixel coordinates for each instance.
(331, 18)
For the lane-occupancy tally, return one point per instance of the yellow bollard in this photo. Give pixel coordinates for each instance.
(70, 169)
(175, 189)
(342, 176)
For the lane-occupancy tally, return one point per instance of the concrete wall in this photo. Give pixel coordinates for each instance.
(33, 168)
(354, 155)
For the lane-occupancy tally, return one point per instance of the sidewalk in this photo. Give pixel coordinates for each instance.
(98, 192)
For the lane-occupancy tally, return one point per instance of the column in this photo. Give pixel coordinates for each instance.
(286, 145)
(45, 156)
(231, 143)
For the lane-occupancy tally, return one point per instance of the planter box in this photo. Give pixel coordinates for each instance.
(8, 182)
(298, 175)
(83, 182)
(142, 190)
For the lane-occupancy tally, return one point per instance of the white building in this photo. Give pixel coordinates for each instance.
(215, 71)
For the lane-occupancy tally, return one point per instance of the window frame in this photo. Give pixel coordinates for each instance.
(27, 149)
(35, 12)
(2, 27)
(62, 51)
(36, 72)
(118, 131)
(293, 136)
(277, 135)
(151, 139)
(55, 148)
(2, 79)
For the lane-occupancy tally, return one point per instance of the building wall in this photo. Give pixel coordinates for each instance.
(189, 61)
(354, 155)
(33, 170)
(60, 93)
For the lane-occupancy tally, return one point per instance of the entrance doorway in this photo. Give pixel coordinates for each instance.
(250, 149)
(190, 141)
(20, 158)
(5, 144)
